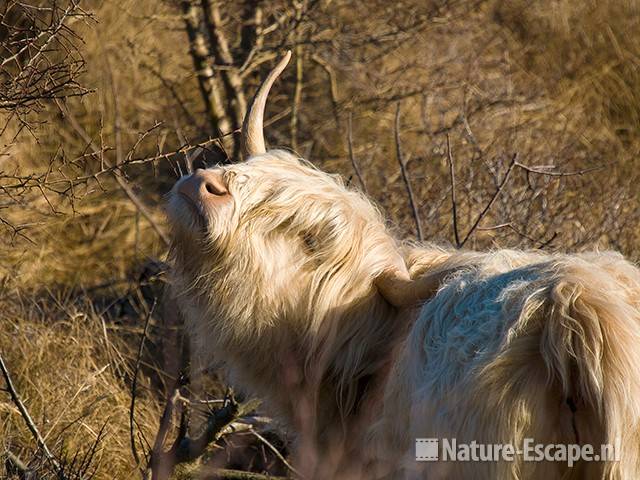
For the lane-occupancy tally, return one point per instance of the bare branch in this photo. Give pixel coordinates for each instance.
(41, 62)
(333, 83)
(297, 97)
(485, 210)
(405, 176)
(25, 415)
(274, 450)
(454, 204)
(184, 448)
(124, 185)
(134, 384)
(16, 465)
(539, 242)
(544, 170)
(352, 157)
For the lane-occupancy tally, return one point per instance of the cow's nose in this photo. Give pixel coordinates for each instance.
(204, 186)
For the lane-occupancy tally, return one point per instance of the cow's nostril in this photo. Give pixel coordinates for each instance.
(215, 189)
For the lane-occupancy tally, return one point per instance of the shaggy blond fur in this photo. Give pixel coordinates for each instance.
(278, 286)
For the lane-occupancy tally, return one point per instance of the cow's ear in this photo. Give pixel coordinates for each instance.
(402, 291)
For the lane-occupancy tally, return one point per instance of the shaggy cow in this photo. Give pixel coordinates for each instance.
(361, 345)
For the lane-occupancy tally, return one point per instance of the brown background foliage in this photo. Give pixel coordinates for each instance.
(101, 112)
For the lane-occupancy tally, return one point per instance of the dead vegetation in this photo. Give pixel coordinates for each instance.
(514, 125)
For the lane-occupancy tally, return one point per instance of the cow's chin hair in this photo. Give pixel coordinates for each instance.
(194, 225)
(183, 216)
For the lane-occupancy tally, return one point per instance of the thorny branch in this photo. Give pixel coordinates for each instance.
(41, 61)
(63, 178)
(124, 185)
(66, 184)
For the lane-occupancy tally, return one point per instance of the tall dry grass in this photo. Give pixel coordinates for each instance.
(557, 82)
(73, 372)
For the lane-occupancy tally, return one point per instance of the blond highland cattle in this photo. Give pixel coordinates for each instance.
(360, 344)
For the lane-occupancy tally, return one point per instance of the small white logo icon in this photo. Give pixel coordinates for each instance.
(426, 449)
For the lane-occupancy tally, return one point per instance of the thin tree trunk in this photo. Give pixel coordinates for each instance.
(219, 46)
(208, 83)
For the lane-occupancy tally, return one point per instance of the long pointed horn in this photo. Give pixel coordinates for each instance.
(252, 137)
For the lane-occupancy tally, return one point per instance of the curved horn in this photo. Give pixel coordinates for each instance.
(252, 137)
(402, 291)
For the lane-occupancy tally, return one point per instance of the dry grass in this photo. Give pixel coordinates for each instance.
(557, 83)
(70, 332)
(72, 376)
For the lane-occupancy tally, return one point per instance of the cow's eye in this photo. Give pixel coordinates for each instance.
(241, 179)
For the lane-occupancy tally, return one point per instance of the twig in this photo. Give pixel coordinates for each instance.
(297, 97)
(17, 465)
(352, 157)
(160, 465)
(25, 415)
(188, 158)
(33, 181)
(188, 449)
(454, 204)
(405, 176)
(333, 84)
(493, 199)
(185, 449)
(542, 171)
(124, 185)
(274, 450)
(541, 243)
(134, 384)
